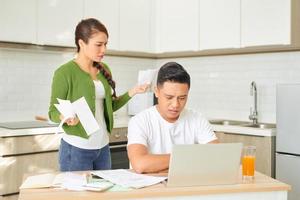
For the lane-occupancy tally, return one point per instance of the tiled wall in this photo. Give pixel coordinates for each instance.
(26, 76)
(220, 84)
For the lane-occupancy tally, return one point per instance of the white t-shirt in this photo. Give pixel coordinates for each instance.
(158, 135)
(100, 138)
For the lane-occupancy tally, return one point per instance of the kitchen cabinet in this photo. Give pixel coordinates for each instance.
(24, 155)
(14, 15)
(265, 22)
(35, 150)
(177, 25)
(265, 149)
(57, 20)
(106, 12)
(219, 24)
(136, 23)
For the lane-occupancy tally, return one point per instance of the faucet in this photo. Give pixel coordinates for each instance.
(253, 112)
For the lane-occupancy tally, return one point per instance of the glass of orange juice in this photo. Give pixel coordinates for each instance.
(248, 162)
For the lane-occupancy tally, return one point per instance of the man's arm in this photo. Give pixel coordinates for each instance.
(143, 162)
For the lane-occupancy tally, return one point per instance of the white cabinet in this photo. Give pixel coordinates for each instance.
(136, 25)
(177, 25)
(219, 24)
(18, 21)
(106, 12)
(265, 22)
(57, 21)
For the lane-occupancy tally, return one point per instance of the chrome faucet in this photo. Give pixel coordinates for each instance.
(253, 112)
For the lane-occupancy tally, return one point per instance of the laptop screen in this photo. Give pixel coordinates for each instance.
(204, 164)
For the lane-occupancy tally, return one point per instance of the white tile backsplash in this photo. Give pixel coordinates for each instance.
(26, 76)
(220, 84)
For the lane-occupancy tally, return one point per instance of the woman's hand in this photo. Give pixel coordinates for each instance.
(73, 121)
(138, 89)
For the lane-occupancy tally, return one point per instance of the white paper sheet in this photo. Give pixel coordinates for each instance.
(147, 76)
(83, 112)
(38, 181)
(85, 116)
(127, 178)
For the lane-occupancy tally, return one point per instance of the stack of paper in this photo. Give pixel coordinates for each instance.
(43, 181)
(127, 178)
(68, 180)
(81, 109)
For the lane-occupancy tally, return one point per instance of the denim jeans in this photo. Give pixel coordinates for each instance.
(72, 158)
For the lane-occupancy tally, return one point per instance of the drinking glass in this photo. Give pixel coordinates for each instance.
(248, 162)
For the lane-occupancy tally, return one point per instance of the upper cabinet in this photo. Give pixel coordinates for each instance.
(265, 22)
(156, 26)
(57, 20)
(108, 13)
(177, 25)
(136, 25)
(18, 21)
(219, 24)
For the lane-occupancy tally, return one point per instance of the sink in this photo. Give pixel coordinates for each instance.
(226, 122)
(260, 125)
(241, 123)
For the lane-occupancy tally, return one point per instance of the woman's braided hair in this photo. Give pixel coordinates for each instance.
(108, 77)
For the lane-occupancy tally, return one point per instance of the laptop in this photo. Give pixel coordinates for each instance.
(204, 164)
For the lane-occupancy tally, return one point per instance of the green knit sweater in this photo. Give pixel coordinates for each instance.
(70, 82)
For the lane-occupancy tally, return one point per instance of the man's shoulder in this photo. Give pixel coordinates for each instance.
(192, 116)
(144, 115)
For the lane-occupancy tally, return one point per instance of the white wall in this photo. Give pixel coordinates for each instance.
(26, 76)
(220, 84)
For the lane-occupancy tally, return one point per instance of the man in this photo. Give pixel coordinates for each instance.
(152, 132)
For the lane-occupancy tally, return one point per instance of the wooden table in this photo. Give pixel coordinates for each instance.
(263, 187)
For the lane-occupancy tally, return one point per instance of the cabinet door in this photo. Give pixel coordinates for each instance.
(265, 22)
(18, 21)
(178, 25)
(108, 13)
(219, 24)
(265, 149)
(57, 21)
(135, 25)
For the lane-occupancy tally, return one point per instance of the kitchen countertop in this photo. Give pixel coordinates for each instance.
(266, 132)
(122, 122)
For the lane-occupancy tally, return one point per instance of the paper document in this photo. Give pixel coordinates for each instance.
(147, 76)
(83, 112)
(68, 180)
(127, 178)
(43, 181)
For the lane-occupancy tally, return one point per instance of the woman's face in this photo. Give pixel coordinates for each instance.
(95, 48)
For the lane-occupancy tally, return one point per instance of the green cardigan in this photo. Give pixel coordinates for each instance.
(70, 82)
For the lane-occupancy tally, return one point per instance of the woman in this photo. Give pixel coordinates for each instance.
(87, 76)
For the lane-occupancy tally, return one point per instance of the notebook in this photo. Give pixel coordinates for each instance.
(204, 164)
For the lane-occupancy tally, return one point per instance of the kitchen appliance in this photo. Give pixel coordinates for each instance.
(288, 137)
(118, 149)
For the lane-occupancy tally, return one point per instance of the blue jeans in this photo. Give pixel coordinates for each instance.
(72, 158)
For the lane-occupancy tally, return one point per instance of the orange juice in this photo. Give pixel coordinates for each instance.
(248, 164)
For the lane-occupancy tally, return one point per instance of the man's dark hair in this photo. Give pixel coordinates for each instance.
(172, 72)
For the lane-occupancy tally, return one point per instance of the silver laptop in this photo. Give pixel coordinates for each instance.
(204, 164)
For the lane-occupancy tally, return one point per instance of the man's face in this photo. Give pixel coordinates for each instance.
(172, 98)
